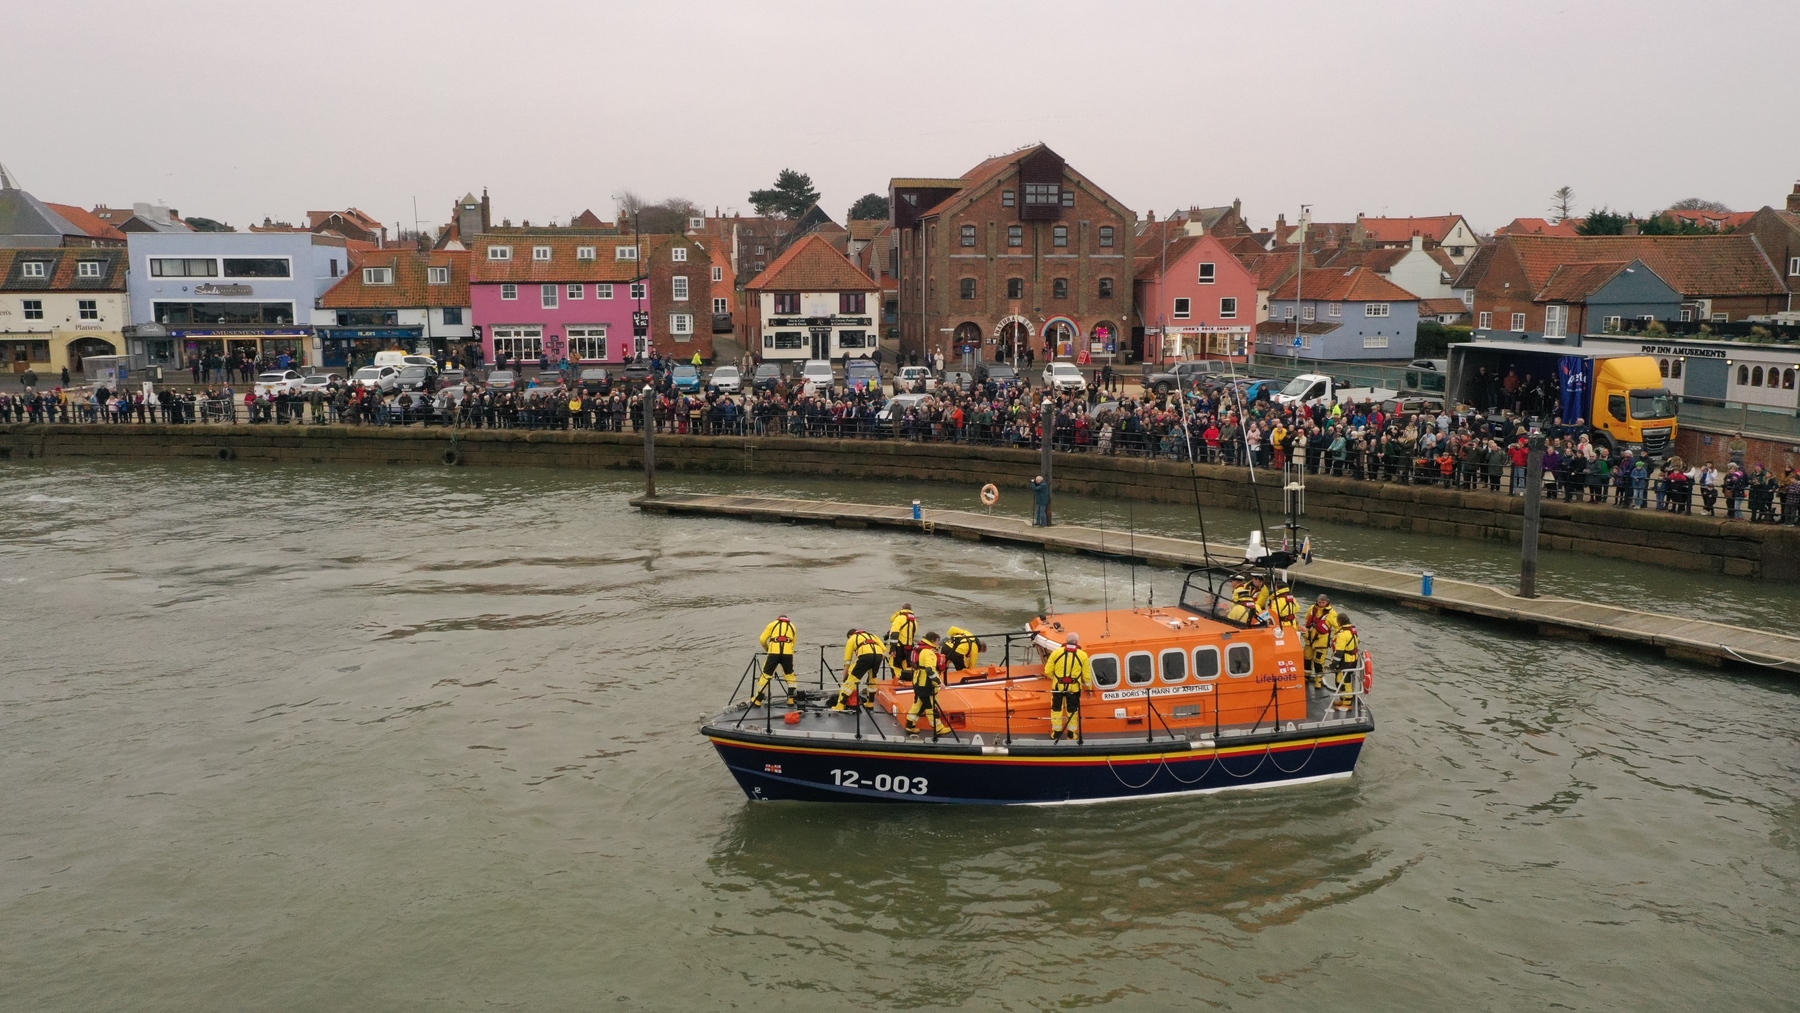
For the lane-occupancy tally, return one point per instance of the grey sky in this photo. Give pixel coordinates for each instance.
(240, 110)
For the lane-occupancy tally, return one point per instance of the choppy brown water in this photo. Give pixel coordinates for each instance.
(299, 738)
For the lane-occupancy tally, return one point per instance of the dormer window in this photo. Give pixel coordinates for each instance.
(584, 253)
(438, 275)
(499, 253)
(540, 253)
(34, 269)
(378, 276)
(678, 254)
(624, 253)
(87, 268)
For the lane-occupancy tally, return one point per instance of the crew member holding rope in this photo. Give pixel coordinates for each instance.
(863, 652)
(926, 678)
(777, 642)
(1346, 661)
(1069, 672)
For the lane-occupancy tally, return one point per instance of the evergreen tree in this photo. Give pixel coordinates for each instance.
(1604, 222)
(791, 195)
(869, 207)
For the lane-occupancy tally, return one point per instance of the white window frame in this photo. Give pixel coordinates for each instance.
(1377, 340)
(1309, 312)
(696, 223)
(1518, 323)
(678, 288)
(582, 334)
(681, 324)
(87, 269)
(547, 296)
(721, 305)
(1182, 308)
(509, 291)
(378, 276)
(625, 253)
(603, 290)
(540, 254)
(1228, 306)
(1469, 298)
(1721, 318)
(584, 253)
(1556, 321)
(640, 290)
(678, 254)
(34, 269)
(1335, 309)
(1208, 272)
(499, 253)
(1484, 321)
(1376, 309)
(32, 308)
(1615, 323)
(1793, 266)
(576, 291)
(88, 309)
(718, 273)
(521, 344)
(437, 275)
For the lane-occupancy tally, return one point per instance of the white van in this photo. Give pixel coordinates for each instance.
(398, 359)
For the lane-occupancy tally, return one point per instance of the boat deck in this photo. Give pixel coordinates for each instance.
(1695, 640)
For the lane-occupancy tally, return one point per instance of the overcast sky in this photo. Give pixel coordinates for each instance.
(240, 110)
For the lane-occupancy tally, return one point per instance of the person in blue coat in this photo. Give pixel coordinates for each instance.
(1040, 501)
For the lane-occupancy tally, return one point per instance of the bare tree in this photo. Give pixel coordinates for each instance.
(628, 204)
(1698, 204)
(1563, 203)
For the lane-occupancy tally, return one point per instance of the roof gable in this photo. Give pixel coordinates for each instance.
(563, 265)
(1435, 228)
(1358, 284)
(411, 287)
(1695, 266)
(812, 265)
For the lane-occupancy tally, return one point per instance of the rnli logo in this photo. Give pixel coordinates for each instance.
(771, 768)
(1286, 667)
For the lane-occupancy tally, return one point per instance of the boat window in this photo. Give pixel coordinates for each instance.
(1138, 669)
(1238, 661)
(1206, 662)
(1106, 670)
(1174, 665)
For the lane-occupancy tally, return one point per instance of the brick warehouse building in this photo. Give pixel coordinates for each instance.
(1021, 251)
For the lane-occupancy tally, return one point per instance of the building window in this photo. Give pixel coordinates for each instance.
(378, 276)
(34, 309)
(452, 316)
(256, 267)
(967, 288)
(1106, 288)
(718, 273)
(1616, 324)
(639, 290)
(624, 253)
(1721, 318)
(1756, 377)
(438, 275)
(1675, 368)
(540, 253)
(547, 296)
(678, 288)
(89, 309)
(574, 291)
(509, 291)
(968, 235)
(1008, 198)
(499, 253)
(1469, 298)
(1743, 376)
(179, 267)
(1209, 272)
(1556, 321)
(587, 343)
(603, 290)
(784, 340)
(1059, 236)
(1793, 265)
(1287, 312)
(1068, 198)
(1307, 311)
(1335, 309)
(681, 324)
(787, 302)
(678, 254)
(1518, 321)
(1485, 321)
(34, 269)
(1106, 235)
(1184, 308)
(759, 249)
(1059, 288)
(518, 342)
(334, 267)
(1042, 194)
(1375, 341)
(1375, 309)
(87, 269)
(1787, 379)
(853, 303)
(1228, 307)
(1015, 235)
(1015, 288)
(854, 339)
(584, 253)
(721, 306)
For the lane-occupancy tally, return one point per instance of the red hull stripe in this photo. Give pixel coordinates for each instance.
(1007, 760)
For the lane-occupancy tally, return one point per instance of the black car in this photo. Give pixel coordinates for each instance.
(636, 375)
(595, 381)
(767, 375)
(420, 378)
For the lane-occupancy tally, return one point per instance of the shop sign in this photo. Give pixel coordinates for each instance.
(233, 290)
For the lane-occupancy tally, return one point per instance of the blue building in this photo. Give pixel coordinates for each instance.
(229, 295)
(1341, 313)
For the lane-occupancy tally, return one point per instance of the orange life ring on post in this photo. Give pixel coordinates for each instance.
(990, 494)
(1368, 672)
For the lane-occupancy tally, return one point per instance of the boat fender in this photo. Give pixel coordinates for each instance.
(452, 456)
(990, 494)
(792, 718)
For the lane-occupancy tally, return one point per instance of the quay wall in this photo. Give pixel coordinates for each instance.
(1684, 542)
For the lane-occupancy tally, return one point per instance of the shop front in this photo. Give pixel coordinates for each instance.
(351, 347)
(214, 346)
(1203, 342)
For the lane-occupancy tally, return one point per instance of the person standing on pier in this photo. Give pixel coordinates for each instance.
(1069, 672)
(777, 642)
(1040, 502)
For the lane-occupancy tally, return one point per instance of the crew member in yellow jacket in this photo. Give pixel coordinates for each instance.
(777, 642)
(863, 652)
(927, 676)
(1069, 672)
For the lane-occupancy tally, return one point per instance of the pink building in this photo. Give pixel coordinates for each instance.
(556, 295)
(1193, 298)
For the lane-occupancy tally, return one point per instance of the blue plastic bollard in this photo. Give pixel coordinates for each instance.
(917, 513)
(1425, 580)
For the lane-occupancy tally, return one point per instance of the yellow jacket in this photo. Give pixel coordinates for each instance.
(1284, 608)
(963, 644)
(778, 637)
(905, 627)
(926, 671)
(1346, 649)
(860, 643)
(1069, 670)
(1321, 623)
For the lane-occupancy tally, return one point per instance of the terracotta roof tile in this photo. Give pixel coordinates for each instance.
(412, 286)
(812, 265)
(1442, 307)
(63, 276)
(1358, 284)
(1695, 266)
(1575, 282)
(86, 221)
(1435, 228)
(866, 228)
(1539, 227)
(562, 265)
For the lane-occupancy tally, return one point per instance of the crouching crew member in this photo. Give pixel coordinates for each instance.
(863, 652)
(1069, 672)
(962, 648)
(777, 642)
(926, 678)
(1321, 624)
(1346, 660)
(903, 631)
(1244, 595)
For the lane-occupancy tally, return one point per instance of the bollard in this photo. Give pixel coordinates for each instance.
(917, 513)
(1425, 580)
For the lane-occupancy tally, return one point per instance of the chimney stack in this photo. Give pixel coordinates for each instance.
(1631, 228)
(1793, 200)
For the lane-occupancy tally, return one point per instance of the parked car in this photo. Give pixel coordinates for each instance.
(1434, 365)
(766, 376)
(862, 375)
(320, 381)
(727, 380)
(383, 378)
(686, 379)
(1002, 375)
(897, 406)
(400, 360)
(452, 377)
(1184, 374)
(594, 380)
(503, 379)
(275, 382)
(914, 380)
(817, 376)
(1062, 375)
(1413, 404)
(417, 378)
(958, 379)
(636, 375)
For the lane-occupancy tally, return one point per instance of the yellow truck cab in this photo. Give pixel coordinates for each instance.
(1630, 404)
(1619, 395)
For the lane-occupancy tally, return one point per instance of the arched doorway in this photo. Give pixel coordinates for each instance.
(1060, 338)
(81, 348)
(967, 342)
(1103, 341)
(1013, 339)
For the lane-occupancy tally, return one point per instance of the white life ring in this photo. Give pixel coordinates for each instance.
(990, 494)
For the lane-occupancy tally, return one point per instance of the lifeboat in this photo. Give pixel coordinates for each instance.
(1187, 699)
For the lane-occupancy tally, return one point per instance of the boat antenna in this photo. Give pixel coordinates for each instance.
(1049, 599)
(1131, 528)
(1194, 480)
(1244, 432)
(1105, 599)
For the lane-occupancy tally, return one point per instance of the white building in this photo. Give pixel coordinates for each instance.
(813, 303)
